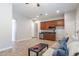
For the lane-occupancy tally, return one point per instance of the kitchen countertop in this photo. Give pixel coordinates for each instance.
(47, 32)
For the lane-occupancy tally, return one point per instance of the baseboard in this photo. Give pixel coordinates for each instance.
(34, 37)
(5, 49)
(22, 40)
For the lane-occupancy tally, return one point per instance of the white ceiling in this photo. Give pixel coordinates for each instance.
(31, 10)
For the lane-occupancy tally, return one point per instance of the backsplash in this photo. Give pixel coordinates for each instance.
(51, 30)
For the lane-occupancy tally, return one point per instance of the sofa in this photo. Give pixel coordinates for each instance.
(72, 45)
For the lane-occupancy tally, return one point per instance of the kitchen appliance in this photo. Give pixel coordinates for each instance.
(52, 28)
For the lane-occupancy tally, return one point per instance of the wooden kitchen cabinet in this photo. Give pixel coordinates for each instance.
(53, 37)
(44, 25)
(50, 36)
(46, 37)
(60, 22)
(51, 23)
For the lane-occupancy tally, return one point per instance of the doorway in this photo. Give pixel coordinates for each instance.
(35, 30)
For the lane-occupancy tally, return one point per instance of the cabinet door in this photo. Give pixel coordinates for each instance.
(60, 22)
(48, 36)
(52, 37)
(43, 25)
(51, 23)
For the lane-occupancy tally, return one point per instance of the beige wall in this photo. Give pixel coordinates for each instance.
(5, 26)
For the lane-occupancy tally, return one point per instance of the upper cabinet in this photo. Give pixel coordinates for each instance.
(45, 25)
(51, 23)
(60, 22)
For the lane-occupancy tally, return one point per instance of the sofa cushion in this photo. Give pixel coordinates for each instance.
(64, 40)
(63, 46)
(59, 52)
(62, 50)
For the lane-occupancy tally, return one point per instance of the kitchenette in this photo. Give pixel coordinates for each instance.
(48, 29)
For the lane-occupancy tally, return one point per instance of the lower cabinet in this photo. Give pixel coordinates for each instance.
(49, 36)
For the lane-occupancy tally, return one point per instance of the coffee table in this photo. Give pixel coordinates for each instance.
(37, 48)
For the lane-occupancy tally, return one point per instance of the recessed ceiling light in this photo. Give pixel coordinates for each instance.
(46, 14)
(37, 16)
(57, 11)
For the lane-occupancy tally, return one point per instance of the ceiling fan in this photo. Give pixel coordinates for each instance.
(37, 4)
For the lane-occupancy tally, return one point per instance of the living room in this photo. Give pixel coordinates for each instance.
(35, 24)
